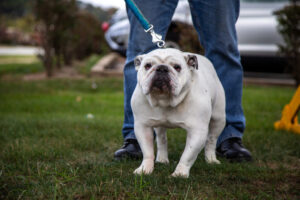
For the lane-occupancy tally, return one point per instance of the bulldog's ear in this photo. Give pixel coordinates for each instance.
(138, 61)
(191, 60)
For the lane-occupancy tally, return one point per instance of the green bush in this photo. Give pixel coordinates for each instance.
(88, 36)
(67, 32)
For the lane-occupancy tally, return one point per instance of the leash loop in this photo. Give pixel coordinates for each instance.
(156, 38)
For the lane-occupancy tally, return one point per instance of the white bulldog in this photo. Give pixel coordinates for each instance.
(177, 89)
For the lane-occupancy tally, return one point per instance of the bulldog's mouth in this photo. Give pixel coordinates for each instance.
(161, 81)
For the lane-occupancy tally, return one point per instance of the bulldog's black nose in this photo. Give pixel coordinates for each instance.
(162, 69)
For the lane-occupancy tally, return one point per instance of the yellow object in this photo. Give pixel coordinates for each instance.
(289, 118)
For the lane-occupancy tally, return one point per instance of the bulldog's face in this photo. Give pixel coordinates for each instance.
(165, 72)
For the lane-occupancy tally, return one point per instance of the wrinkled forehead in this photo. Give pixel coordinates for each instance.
(165, 56)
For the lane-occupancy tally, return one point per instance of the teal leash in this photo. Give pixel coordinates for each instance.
(149, 28)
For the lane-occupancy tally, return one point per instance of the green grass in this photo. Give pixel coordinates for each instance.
(16, 65)
(49, 149)
(17, 58)
(20, 68)
(20, 65)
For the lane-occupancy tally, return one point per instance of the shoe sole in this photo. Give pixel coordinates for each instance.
(128, 156)
(236, 159)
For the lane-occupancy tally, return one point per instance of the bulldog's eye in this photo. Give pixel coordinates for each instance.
(148, 66)
(177, 68)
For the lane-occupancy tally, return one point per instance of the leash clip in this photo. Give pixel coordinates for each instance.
(156, 38)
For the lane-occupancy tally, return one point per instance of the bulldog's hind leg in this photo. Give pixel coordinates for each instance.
(216, 126)
(162, 145)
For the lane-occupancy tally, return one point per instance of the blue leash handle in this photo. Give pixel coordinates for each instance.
(156, 38)
(136, 11)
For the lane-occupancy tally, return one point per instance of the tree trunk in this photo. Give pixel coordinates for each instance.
(67, 55)
(58, 61)
(48, 61)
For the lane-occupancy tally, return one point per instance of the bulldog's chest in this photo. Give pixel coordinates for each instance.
(169, 117)
(167, 122)
(195, 106)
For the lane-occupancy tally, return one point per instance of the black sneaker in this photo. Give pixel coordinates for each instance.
(233, 150)
(130, 149)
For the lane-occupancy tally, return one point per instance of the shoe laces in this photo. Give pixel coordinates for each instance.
(128, 142)
(238, 141)
(230, 143)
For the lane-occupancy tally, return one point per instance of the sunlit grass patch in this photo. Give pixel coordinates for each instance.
(9, 59)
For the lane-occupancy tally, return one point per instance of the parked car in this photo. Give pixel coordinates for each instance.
(256, 28)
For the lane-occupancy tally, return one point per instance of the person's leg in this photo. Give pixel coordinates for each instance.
(159, 13)
(215, 21)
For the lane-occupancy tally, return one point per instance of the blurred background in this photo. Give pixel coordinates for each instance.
(65, 32)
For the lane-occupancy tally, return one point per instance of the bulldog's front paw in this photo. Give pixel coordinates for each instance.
(181, 171)
(146, 167)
